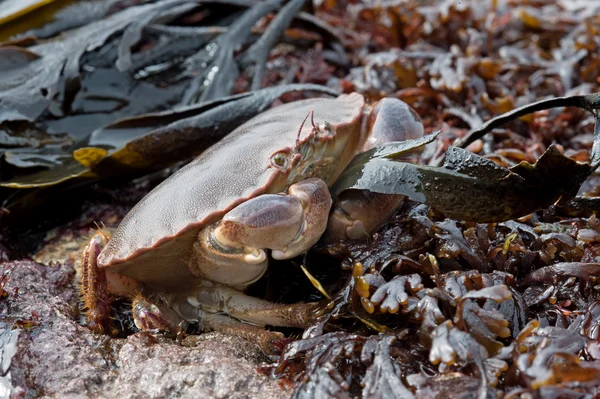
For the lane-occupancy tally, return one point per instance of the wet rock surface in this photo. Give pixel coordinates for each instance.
(57, 357)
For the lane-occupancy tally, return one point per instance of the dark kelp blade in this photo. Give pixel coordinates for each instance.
(400, 148)
(470, 187)
(116, 135)
(455, 194)
(473, 165)
(554, 172)
(27, 159)
(93, 93)
(552, 165)
(27, 92)
(148, 142)
(258, 53)
(480, 192)
(24, 145)
(579, 207)
(156, 140)
(392, 150)
(590, 102)
(213, 68)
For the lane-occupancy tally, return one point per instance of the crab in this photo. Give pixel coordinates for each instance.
(187, 251)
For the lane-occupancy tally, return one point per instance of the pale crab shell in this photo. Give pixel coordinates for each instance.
(153, 244)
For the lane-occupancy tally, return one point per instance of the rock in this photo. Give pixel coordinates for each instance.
(58, 357)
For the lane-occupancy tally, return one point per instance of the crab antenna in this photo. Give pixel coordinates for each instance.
(301, 126)
(312, 119)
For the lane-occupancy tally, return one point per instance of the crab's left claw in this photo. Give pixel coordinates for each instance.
(359, 213)
(153, 317)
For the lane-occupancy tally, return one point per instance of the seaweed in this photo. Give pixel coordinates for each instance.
(483, 284)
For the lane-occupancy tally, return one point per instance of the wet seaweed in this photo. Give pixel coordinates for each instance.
(484, 283)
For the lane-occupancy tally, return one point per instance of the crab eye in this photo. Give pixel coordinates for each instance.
(326, 129)
(279, 160)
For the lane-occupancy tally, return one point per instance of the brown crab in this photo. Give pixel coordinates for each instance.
(189, 248)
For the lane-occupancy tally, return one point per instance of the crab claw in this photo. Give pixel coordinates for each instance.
(392, 120)
(359, 213)
(268, 221)
(286, 224)
(316, 203)
(151, 317)
(232, 251)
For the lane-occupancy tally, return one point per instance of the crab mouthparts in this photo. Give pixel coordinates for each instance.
(249, 254)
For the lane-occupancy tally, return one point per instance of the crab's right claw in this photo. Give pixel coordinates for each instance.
(287, 224)
(232, 251)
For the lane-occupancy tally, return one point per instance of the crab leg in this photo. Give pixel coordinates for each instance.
(99, 284)
(267, 340)
(165, 313)
(94, 287)
(252, 310)
(359, 213)
(243, 307)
